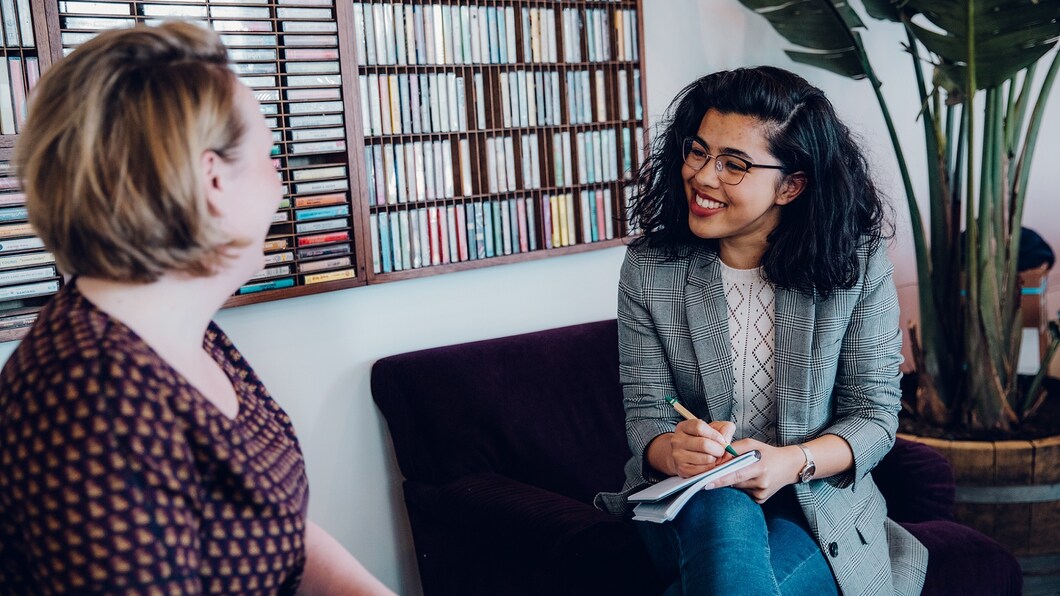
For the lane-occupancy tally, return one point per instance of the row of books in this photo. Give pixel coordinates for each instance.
(315, 16)
(28, 276)
(17, 24)
(281, 267)
(305, 176)
(598, 43)
(153, 8)
(292, 81)
(20, 267)
(15, 296)
(428, 236)
(16, 234)
(413, 104)
(325, 67)
(317, 258)
(100, 16)
(398, 33)
(21, 276)
(530, 98)
(626, 43)
(16, 81)
(533, 98)
(437, 102)
(417, 171)
(293, 40)
(402, 173)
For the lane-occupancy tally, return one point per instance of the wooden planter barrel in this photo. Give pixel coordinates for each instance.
(1010, 491)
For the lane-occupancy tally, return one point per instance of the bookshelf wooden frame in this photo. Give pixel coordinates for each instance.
(48, 29)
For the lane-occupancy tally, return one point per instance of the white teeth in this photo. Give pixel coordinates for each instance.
(708, 203)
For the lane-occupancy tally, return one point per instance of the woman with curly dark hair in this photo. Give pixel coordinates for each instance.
(761, 296)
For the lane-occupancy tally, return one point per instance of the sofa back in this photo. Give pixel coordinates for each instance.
(542, 408)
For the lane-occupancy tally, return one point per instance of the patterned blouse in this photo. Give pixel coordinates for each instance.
(117, 476)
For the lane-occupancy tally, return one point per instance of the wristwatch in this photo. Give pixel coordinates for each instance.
(806, 474)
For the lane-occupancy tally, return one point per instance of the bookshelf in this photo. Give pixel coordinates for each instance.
(412, 138)
(28, 276)
(518, 119)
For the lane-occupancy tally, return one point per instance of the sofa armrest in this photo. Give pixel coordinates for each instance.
(917, 483)
(506, 520)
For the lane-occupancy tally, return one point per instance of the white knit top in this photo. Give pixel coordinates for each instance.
(752, 312)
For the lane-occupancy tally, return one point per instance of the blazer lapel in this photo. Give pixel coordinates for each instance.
(792, 360)
(708, 324)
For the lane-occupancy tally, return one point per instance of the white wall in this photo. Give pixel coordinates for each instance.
(315, 353)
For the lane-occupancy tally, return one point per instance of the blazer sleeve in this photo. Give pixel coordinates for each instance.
(867, 393)
(643, 368)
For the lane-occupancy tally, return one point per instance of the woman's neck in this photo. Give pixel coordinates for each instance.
(171, 314)
(741, 255)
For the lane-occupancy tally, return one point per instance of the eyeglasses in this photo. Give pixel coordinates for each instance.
(730, 169)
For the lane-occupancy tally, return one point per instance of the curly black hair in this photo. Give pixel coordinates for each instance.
(814, 247)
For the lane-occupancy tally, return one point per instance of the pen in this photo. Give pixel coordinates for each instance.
(670, 399)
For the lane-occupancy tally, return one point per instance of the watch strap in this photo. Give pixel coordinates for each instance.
(807, 471)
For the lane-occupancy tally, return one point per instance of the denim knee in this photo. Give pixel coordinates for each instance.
(726, 513)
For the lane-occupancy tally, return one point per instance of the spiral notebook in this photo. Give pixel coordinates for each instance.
(662, 501)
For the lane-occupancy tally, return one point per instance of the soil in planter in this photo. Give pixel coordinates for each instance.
(1044, 423)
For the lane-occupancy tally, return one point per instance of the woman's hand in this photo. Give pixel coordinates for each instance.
(695, 446)
(778, 468)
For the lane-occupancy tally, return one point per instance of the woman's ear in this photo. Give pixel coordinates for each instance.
(211, 165)
(791, 188)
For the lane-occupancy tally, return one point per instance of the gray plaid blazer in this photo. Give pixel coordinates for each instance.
(836, 368)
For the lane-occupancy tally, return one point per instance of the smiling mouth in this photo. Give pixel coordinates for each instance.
(708, 203)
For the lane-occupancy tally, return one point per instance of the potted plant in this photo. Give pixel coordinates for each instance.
(981, 108)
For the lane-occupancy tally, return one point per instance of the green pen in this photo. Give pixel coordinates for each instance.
(672, 400)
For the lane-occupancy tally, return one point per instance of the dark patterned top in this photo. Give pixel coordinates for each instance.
(117, 476)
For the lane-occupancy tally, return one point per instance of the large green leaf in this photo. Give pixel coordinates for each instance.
(885, 10)
(1009, 35)
(990, 15)
(821, 27)
(841, 63)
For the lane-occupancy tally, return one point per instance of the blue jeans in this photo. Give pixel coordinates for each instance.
(724, 543)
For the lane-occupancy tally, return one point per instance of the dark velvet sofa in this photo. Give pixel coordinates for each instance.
(503, 444)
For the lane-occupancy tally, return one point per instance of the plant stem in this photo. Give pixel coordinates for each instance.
(1036, 384)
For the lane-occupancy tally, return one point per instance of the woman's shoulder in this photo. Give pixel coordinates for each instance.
(76, 353)
(873, 268)
(873, 259)
(68, 337)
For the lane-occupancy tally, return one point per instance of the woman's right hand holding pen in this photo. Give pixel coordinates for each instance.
(694, 447)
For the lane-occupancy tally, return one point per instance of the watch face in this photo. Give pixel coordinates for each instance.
(807, 472)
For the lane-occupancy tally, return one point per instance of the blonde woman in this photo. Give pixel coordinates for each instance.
(139, 453)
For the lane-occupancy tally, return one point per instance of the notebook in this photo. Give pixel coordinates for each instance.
(662, 501)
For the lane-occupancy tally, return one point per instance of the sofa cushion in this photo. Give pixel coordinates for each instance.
(525, 540)
(964, 561)
(543, 408)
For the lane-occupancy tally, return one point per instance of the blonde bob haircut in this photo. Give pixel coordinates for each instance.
(110, 157)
